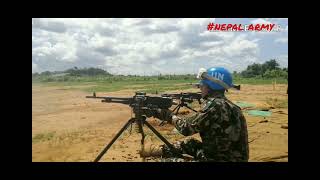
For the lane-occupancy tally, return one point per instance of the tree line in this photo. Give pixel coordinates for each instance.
(269, 69)
(76, 72)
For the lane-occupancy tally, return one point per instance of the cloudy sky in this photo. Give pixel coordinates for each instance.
(153, 46)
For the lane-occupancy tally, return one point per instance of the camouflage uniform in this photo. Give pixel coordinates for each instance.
(223, 131)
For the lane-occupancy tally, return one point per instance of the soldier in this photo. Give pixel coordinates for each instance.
(220, 122)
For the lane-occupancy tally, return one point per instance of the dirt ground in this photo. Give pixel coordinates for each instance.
(67, 127)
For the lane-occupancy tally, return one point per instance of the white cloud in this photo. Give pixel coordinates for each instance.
(138, 46)
(188, 23)
(283, 60)
(277, 20)
(260, 21)
(53, 26)
(281, 40)
(240, 45)
(62, 49)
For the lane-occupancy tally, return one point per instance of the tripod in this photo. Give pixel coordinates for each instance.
(140, 120)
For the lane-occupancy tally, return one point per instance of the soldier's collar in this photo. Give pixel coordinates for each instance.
(215, 94)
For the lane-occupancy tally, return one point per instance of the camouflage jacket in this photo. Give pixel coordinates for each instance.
(222, 128)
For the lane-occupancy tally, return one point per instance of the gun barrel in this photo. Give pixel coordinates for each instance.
(95, 97)
(122, 101)
(107, 97)
(184, 95)
(112, 99)
(117, 98)
(236, 87)
(196, 85)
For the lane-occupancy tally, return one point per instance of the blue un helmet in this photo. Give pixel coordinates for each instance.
(222, 78)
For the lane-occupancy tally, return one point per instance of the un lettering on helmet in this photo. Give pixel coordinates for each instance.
(218, 75)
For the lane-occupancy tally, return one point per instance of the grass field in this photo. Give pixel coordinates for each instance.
(150, 84)
(68, 127)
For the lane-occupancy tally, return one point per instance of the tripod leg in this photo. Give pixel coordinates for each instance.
(113, 140)
(163, 139)
(159, 135)
(178, 110)
(175, 108)
(191, 108)
(141, 131)
(140, 123)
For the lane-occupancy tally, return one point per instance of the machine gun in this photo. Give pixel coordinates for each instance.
(143, 106)
(139, 101)
(184, 98)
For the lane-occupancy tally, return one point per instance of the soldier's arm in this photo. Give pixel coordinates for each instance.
(191, 125)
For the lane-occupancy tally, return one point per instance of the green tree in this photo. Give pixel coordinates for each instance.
(260, 70)
(46, 73)
(276, 73)
(86, 72)
(271, 64)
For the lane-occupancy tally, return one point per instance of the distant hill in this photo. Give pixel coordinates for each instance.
(76, 72)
